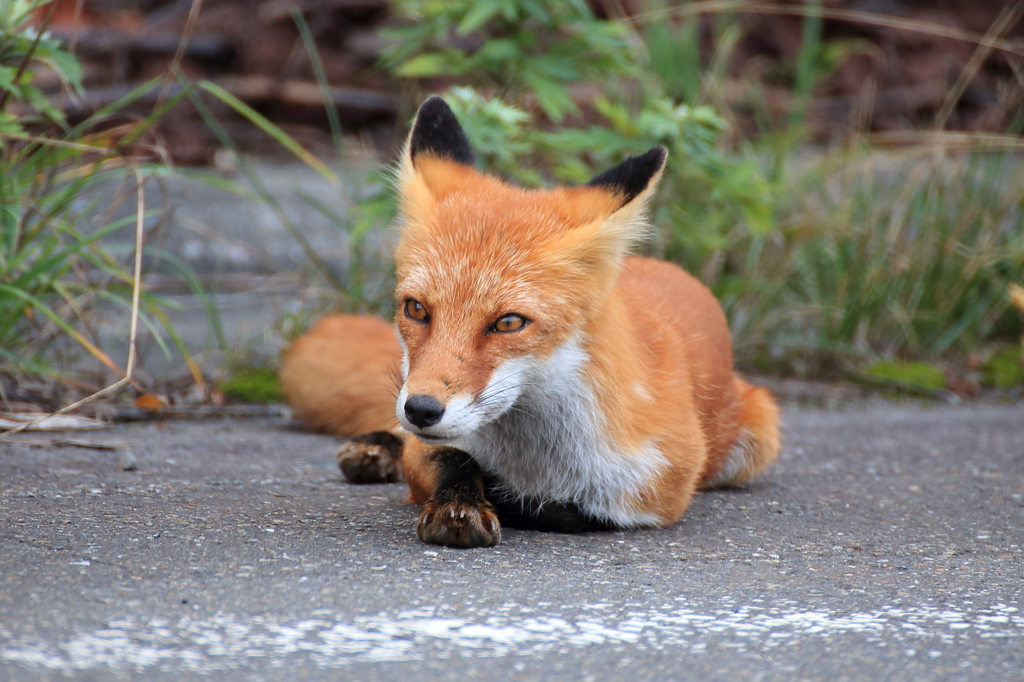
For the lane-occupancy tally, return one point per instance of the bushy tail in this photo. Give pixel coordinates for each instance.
(757, 443)
(340, 377)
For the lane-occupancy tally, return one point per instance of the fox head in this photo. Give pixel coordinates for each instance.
(493, 279)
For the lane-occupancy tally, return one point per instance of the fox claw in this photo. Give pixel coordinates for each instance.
(458, 523)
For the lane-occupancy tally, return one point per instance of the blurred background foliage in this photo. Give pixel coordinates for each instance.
(826, 260)
(846, 218)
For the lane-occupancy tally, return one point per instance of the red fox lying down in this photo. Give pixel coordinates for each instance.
(545, 378)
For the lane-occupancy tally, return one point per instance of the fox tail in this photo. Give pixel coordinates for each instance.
(340, 377)
(757, 443)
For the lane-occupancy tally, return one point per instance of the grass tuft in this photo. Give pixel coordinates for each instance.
(886, 256)
(914, 374)
(1005, 369)
(253, 385)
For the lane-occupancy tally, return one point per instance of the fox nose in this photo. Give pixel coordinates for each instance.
(423, 410)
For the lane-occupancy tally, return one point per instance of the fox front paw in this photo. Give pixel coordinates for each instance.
(459, 523)
(372, 458)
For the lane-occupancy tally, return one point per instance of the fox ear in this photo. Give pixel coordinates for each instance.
(435, 160)
(618, 197)
(609, 213)
(627, 188)
(635, 178)
(436, 132)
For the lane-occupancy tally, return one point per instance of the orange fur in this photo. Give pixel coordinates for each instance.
(338, 376)
(651, 342)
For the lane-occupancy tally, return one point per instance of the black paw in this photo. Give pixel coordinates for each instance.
(458, 523)
(372, 458)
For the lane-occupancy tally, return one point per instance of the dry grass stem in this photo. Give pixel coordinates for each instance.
(179, 54)
(134, 325)
(1004, 22)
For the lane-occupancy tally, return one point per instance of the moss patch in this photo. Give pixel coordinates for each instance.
(253, 385)
(919, 376)
(1005, 369)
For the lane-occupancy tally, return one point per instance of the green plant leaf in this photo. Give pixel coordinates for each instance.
(425, 66)
(478, 15)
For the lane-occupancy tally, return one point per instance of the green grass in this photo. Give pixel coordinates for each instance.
(915, 375)
(886, 256)
(64, 262)
(253, 385)
(1005, 369)
(58, 258)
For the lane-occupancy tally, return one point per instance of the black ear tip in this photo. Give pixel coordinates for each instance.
(659, 155)
(632, 176)
(652, 160)
(434, 106)
(437, 131)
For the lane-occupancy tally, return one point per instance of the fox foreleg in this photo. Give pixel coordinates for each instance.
(458, 513)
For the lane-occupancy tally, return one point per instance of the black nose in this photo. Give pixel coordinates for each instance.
(423, 410)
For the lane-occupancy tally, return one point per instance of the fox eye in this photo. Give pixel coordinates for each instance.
(414, 310)
(512, 322)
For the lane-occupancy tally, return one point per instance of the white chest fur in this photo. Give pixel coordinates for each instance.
(552, 444)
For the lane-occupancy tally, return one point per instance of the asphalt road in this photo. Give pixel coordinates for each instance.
(886, 544)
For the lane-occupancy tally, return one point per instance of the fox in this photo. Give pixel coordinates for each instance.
(537, 375)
